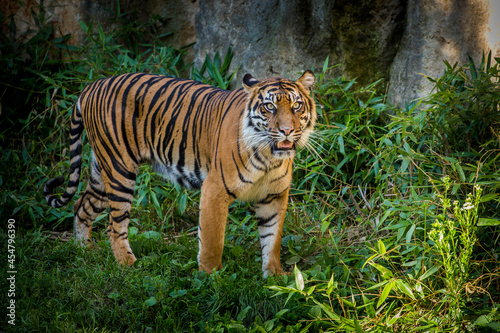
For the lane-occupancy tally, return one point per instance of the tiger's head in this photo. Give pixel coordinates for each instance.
(280, 114)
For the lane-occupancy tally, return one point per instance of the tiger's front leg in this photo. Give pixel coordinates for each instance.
(271, 216)
(214, 205)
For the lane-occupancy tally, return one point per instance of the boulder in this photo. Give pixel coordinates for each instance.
(283, 38)
(436, 31)
(269, 38)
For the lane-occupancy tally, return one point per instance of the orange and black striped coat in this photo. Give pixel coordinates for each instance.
(232, 144)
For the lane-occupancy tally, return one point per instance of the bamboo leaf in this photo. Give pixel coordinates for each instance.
(381, 247)
(386, 273)
(483, 222)
(385, 292)
(405, 288)
(325, 64)
(299, 279)
(430, 272)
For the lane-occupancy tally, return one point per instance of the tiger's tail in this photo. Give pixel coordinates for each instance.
(75, 167)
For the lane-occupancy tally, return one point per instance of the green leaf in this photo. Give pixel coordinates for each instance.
(293, 260)
(330, 286)
(385, 292)
(340, 140)
(282, 290)
(385, 216)
(357, 326)
(268, 325)
(310, 290)
(151, 234)
(409, 234)
(348, 303)
(178, 293)
(324, 226)
(483, 222)
(243, 313)
(114, 296)
(325, 64)
(386, 273)
(494, 325)
(381, 247)
(181, 203)
(132, 231)
(84, 26)
(405, 288)
(482, 320)
(391, 321)
(328, 310)
(460, 172)
(376, 286)
(431, 271)
(280, 313)
(404, 164)
(150, 302)
(299, 279)
(315, 311)
(369, 260)
(156, 204)
(489, 197)
(369, 307)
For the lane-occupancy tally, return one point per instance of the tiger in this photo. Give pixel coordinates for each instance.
(230, 144)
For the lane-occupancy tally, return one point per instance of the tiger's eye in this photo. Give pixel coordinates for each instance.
(296, 106)
(269, 106)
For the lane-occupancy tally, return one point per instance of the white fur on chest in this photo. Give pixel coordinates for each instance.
(264, 184)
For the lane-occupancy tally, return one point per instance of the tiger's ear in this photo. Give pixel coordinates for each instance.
(249, 82)
(307, 80)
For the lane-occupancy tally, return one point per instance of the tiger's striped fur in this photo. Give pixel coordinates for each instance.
(232, 144)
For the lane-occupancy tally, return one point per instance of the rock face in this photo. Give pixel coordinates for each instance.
(282, 38)
(368, 34)
(436, 31)
(392, 40)
(269, 38)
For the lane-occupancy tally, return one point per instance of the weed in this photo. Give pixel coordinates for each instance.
(455, 244)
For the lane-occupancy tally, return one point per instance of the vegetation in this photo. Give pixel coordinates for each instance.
(392, 224)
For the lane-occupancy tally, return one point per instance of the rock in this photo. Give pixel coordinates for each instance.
(368, 34)
(269, 38)
(283, 38)
(177, 18)
(436, 31)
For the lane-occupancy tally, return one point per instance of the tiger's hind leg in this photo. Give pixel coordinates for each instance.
(90, 205)
(120, 189)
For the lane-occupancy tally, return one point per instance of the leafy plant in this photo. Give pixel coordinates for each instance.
(215, 72)
(455, 244)
(393, 294)
(464, 110)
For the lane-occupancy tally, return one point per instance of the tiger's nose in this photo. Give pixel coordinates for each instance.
(286, 130)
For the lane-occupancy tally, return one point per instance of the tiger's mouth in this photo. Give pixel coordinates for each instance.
(283, 146)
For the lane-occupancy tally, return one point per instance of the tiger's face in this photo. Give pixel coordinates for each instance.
(280, 114)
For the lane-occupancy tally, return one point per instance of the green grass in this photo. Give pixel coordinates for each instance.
(63, 287)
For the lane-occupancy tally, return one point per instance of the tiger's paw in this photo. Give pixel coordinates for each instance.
(92, 246)
(127, 259)
(210, 268)
(83, 242)
(271, 270)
